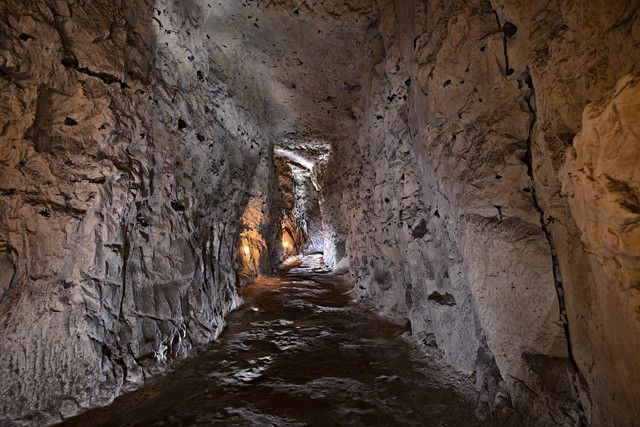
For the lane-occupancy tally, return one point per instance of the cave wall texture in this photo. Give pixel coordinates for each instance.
(286, 203)
(479, 215)
(482, 186)
(306, 211)
(127, 161)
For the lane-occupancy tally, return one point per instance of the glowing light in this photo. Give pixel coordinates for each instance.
(246, 250)
(285, 244)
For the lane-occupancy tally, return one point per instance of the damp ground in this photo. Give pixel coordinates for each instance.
(299, 352)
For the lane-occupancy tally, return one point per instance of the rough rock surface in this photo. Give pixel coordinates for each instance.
(259, 231)
(124, 144)
(451, 203)
(602, 184)
(474, 163)
(306, 210)
(136, 154)
(288, 230)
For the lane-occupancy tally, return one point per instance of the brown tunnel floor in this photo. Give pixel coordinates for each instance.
(298, 352)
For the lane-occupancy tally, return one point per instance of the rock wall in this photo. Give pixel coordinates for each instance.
(600, 182)
(306, 211)
(286, 202)
(127, 156)
(260, 229)
(451, 203)
(481, 186)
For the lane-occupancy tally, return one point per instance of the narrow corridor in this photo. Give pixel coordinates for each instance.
(298, 352)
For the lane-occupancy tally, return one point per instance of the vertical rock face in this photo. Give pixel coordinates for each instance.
(472, 164)
(307, 211)
(125, 158)
(298, 167)
(259, 226)
(450, 197)
(600, 180)
(288, 230)
(136, 149)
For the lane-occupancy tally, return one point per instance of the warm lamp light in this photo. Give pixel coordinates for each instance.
(246, 250)
(285, 244)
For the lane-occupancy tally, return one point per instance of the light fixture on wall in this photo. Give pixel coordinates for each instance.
(246, 250)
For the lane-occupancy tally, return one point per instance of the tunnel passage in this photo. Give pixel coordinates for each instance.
(473, 175)
(302, 164)
(295, 222)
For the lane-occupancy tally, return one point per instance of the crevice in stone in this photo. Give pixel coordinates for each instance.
(106, 352)
(505, 30)
(11, 259)
(120, 361)
(72, 64)
(557, 277)
(126, 249)
(523, 384)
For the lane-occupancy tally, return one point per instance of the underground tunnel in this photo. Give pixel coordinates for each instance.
(320, 212)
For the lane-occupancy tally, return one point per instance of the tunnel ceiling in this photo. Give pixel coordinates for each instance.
(306, 62)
